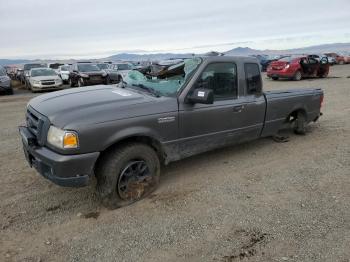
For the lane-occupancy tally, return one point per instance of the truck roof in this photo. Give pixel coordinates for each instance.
(246, 59)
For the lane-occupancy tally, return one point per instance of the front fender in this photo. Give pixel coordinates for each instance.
(129, 132)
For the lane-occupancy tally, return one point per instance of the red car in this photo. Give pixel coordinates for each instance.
(340, 60)
(298, 67)
(347, 59)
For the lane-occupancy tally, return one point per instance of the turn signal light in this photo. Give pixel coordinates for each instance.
(70, 140)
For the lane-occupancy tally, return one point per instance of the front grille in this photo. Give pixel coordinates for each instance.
(47, 83)
(37, 125)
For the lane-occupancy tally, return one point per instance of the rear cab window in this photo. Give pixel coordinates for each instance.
(253, 78)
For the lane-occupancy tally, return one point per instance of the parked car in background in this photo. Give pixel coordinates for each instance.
(111, 71)
(339, 59)
(41, 79)
(54, 66)
(346, 59)
(5, 82)
(298, 67)
(331, 59)
(11, 71)
(63, 72)
(264, 61)
(26, 69)
(122, 69)
(20, 75)
(84, 74)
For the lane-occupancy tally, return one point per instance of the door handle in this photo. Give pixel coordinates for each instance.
(238, 109)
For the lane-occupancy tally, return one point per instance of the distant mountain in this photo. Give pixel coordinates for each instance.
(13, 61)
(145, 57)
(337, 47)
(239, 51)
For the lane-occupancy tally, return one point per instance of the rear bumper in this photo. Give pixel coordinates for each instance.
(63, 170)
(279, 74)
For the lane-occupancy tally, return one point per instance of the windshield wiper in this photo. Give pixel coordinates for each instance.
(149, 90)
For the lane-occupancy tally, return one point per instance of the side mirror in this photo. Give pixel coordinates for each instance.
(201, 96)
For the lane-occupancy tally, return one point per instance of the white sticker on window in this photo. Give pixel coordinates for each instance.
(201, 94)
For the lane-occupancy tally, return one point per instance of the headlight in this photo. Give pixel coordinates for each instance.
(58, 81)
(104, 74)
(84, 75)
(287, 66)
(36, 82)
(61, 138)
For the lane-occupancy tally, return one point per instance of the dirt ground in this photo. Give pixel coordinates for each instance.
(260, 201)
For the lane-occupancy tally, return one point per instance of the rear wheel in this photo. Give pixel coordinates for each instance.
(127, 174)
(300, 124)
(324, 75)
(297, 76)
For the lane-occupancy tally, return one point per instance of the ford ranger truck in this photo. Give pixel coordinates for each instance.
(123, 134)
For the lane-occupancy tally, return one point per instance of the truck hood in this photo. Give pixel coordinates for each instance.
(97, 104)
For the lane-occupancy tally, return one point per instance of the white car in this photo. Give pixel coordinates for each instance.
(63, 72)
(41, 79)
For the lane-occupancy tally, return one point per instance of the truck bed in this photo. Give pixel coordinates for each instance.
(280, 105)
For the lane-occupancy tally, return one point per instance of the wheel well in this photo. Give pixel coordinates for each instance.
(139, 139)
(292, 116)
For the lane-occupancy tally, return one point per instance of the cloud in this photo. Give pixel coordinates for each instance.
(77, 28)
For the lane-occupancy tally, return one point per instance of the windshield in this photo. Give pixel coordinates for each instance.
(102, 66)
(64, 68)
(124, 67)
(168, 81)
(54, 66)
(2, 72)
(288, 58)
(30, 66)
(88, 68)
(43, 72)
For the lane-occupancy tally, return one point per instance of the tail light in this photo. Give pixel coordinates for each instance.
(321, 100)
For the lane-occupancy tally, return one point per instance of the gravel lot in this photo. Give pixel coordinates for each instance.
(260, 201)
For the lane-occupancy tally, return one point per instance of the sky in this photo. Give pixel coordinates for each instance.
(62, 29)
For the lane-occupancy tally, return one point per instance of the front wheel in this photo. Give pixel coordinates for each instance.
(71, 83)
(80, 82)
(127, 174)
(274, 78)
(297, 76)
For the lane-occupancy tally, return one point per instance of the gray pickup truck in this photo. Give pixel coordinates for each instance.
(122, 134)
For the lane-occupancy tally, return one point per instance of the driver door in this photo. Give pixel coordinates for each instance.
(207, 126)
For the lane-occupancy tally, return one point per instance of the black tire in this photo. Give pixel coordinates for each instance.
(111, 170)
(274, 78)
(9, 91)
(300, 124)
(80, 82)
(108, 80)
(71, 83)
(119, 79)
(297, 76)
(323, 75)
